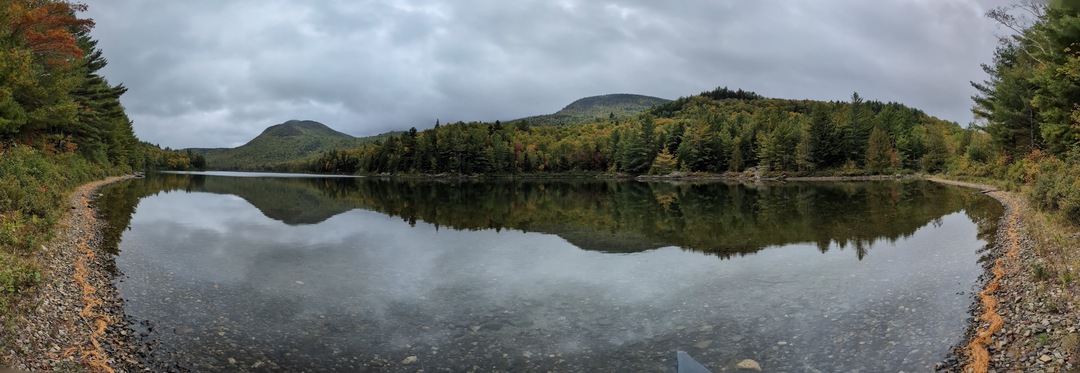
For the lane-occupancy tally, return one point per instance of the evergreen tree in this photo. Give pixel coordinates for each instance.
(1004, 102)
(1057, 77)
(879, 151)
(664, 163)
(937, 152)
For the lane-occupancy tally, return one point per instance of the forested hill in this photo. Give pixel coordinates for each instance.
(719, 131)
(286, 142)
(596, 108)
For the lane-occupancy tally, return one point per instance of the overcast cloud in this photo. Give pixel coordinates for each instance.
(212, 73)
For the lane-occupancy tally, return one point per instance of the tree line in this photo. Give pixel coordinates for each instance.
(720, 131)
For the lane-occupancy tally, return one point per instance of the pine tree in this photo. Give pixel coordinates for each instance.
(664, 163)
(878, 151)
(736, 164)
(1005, 102)
(1057, 77)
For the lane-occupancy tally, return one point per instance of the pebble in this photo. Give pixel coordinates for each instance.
(410, 360)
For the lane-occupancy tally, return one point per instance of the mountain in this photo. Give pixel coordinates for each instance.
(290, 141)
(591, 109)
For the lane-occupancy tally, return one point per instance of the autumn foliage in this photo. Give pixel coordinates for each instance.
(47, 28)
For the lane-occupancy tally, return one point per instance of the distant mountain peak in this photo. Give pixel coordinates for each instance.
(614, 100)
(291, 141)
(294, 127)
(594, 108)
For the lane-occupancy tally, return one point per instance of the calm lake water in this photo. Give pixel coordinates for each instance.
(222, 273)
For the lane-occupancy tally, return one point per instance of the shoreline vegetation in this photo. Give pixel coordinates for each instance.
(749, 176)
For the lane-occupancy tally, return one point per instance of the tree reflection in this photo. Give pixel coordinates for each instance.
(723, 219)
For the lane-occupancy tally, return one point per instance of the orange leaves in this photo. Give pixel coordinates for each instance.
(70, 146)
(48, 28)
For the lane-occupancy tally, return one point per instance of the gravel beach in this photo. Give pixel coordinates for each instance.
(1038, 325)
(74, 320)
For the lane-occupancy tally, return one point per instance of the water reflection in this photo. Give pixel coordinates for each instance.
(609, 216)
(364, 273)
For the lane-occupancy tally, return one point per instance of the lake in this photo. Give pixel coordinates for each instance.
(261, 273)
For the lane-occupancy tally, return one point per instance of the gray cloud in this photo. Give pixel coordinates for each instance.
(207, 73)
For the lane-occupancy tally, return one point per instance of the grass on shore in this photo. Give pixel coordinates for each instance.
(1055, 268)
(1057, 249)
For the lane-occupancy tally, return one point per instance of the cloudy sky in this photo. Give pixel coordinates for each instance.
(212, 73)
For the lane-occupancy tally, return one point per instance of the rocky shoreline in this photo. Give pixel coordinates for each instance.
(74, 321)
(1038, 323)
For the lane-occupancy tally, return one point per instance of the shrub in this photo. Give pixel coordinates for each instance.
(33, 184)
(17, 274)
(1055, 185)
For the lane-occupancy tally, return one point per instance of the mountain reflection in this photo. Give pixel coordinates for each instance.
(723, 219)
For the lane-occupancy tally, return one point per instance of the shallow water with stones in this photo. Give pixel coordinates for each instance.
(225, 273)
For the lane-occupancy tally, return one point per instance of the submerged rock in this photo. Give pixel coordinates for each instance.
(748, 364)
(410, 360)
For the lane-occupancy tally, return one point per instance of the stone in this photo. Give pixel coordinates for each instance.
(182, 330)
(1045, 358)
(703, 344)
(748, 364)
(410, 360)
